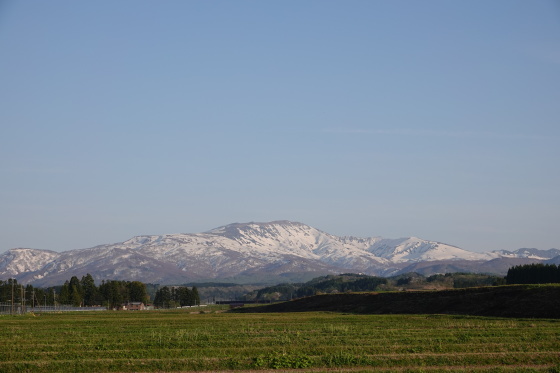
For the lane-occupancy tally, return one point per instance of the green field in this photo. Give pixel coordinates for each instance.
(177, 340)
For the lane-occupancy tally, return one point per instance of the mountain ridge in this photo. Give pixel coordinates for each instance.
(257, 249)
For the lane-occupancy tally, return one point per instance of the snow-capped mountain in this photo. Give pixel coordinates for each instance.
(414, 249)
(20, 260)
(529, 253)
(249, 250)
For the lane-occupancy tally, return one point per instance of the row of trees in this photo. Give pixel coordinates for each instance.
(176, 296)
(340, 284)
(76, 292)
(326, 284)
(111, 293)
(12, 291)
(534, 274)
(84, 292)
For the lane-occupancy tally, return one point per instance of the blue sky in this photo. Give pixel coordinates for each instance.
(435, 119)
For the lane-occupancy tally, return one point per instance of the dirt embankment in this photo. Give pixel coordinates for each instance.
(532, 301)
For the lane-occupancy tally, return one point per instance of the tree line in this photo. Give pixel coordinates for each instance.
(350, 282)
(12, 291)
(111, 293)
(537, 273)
(340, 284)
(325, 284)
(176, 296)
(76, 292)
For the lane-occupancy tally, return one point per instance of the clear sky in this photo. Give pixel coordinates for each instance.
(435, 119)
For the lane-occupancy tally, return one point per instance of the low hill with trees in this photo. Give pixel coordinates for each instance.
(351, 282)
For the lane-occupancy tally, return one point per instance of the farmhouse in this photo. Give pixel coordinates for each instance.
(134, 306)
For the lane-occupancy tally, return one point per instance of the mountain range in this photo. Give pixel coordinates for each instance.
(268, 253)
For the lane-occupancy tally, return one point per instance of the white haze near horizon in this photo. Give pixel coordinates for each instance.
(433, 119)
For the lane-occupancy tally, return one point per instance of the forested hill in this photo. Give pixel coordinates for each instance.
(539, 301)
(351, 282)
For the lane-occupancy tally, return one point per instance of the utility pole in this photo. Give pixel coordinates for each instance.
(22, 303)
(12, 310)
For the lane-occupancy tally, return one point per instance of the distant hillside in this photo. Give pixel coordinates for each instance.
(540, 301)
(352, 282)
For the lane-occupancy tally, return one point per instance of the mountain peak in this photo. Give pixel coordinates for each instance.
(255, 223)
(237, 229)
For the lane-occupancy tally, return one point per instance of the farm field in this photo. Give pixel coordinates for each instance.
(178, 341)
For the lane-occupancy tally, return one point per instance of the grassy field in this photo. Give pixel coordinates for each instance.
(173, 341)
